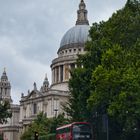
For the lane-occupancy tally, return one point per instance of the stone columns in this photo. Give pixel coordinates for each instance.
(59, 71)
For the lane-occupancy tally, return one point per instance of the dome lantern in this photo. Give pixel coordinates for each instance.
(82, 14)
(79, 33)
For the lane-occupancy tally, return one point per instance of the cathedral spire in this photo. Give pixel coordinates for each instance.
(45, 86)
(35, 87)
(46, 82)
(82, 14)
(4, 76)
(5, 87)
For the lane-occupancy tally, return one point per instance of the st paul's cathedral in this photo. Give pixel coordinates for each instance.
(50, 97)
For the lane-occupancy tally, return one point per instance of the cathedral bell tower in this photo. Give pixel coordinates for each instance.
(5, 88)
(45, 86)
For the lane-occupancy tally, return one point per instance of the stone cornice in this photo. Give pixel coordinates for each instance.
(64, 59)
(10, 128)
(72, 45)
(51, 92)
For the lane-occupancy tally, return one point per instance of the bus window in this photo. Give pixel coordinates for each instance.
(82, 132)
(82, 127)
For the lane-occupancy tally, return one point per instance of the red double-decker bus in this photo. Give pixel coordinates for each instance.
(75, 131)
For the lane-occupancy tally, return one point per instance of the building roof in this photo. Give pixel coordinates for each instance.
(77, 34)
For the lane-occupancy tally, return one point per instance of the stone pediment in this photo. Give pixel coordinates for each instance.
(34, 94)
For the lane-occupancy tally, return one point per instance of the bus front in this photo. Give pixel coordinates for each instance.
(81, 131)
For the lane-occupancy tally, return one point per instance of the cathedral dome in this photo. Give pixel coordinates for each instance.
(77, 34)
(72, 44)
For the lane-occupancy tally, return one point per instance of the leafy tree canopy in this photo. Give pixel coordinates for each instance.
(115, 79)
(109, 80)
(4, 111)
(43, 126)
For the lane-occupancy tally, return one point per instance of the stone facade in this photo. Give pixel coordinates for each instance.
(5, 88)
(10, 130)
(48, 99)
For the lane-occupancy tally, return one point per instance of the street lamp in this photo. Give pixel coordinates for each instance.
(107, 127)
(102, 122)
(55, 112)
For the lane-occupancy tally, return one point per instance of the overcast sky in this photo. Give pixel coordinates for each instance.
(30, 35)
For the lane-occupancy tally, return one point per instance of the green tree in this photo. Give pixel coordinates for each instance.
(45, 127)
(115, 80)
(117, 89)
(39, 125)
(5, 112)
(108, 81)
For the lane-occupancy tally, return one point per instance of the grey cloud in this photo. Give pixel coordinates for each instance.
(31, 31)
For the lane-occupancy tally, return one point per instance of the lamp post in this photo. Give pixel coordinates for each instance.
(107, 127)
(102, 124)
(55, 112)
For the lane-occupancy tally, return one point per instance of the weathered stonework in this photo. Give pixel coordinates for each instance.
(49, 99)
(10, 130)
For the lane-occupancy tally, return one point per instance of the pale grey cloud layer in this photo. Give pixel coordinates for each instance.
(31, 31)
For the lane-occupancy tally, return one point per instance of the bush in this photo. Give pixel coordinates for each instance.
(51, 136)
(1, 137)
(43, 137)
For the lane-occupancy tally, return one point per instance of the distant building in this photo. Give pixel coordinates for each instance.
(49, 98)
(10, 130)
